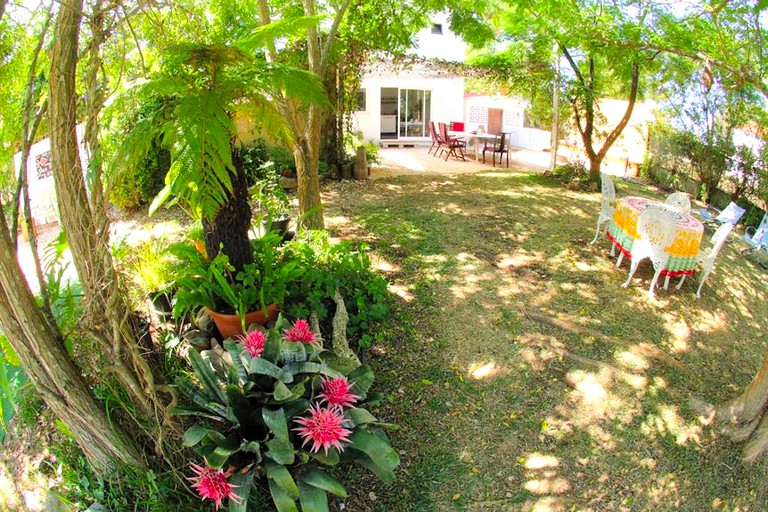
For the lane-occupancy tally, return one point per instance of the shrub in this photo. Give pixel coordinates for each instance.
(134, 187)
(571, 172)
(354, 140)
(344, 267)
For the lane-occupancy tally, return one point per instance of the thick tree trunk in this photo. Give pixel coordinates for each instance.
(745, 416)
(228, 231)
(105, 314)
(49, 367)
(331, 143)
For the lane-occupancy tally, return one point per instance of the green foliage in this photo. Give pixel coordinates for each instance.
(152, 267)
(215, 284)
(571, 172)
(135, 181)
(353, 140)
(206, 85)
(330, 267)
(125, 489)
(249, 407)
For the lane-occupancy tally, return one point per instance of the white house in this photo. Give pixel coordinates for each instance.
(396, 105)
(42, 194)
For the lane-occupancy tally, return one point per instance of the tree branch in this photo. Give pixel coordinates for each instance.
(627, 114)
(328, 46)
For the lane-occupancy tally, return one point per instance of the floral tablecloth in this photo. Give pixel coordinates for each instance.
(684, 249)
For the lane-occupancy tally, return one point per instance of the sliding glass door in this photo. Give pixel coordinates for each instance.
(415, 108)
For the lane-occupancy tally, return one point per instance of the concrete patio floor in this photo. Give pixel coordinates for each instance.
(398, 161)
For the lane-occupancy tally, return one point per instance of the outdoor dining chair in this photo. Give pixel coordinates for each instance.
(732, 213)
(707, 256)
(450, 144)
(435, 139)
(656, 227)
(680, 200)
(759, 237)
(606, 203)
(497, 145)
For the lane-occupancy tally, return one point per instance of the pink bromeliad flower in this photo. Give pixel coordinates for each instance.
(336, 392)
(212, 484)
(324, 427)
(254, 343)
(301, 331)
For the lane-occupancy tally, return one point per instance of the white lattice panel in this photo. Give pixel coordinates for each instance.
(478, 115)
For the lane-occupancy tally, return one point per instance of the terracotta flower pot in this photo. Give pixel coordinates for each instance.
(229, 325)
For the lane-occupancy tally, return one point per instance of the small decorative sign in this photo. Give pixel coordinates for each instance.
(44, 165)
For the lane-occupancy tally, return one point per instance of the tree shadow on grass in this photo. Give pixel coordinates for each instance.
(484, 393)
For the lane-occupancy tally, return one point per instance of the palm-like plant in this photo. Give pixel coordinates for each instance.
(203, 86)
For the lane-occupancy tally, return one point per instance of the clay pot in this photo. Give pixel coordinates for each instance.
(229, 325)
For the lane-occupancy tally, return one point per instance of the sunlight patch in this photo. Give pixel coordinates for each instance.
(478, 372)
(549, 504)
(681, 332)
(538, 461)
(383, 265)
(337, 220)
(631, 360)
(401, 292)
(517, 260)
(557, 485)
(451, 208)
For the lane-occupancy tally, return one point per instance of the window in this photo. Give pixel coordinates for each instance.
(359, 104)
(437, 29)
(415, 112)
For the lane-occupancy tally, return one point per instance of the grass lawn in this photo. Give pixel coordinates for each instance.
(499, 410)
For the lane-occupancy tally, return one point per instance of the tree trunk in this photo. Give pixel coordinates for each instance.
(305, 152)
(228, 231)
(331, 149)
(45, 360)
(105, 314)
(745, 416)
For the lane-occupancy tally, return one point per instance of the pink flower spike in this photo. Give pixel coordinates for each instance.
(336, 392)
(254, 342)
(212, 484)
(301, 331)
(324, 427)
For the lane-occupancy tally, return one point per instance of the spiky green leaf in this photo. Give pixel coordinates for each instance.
(312, 499)
(324, 481)
(283, 502)
(283, 478)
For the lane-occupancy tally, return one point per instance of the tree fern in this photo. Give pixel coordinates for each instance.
(203, 87)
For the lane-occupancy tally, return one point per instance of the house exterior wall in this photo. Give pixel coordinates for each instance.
(42, 194)
(446, 103)
(445, 46)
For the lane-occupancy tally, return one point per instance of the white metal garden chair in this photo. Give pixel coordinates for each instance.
(606, 204)
(759, 237)
(680, 200)
(656, 227)
(732, 213)
(707, 256)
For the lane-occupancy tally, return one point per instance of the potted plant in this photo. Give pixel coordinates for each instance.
(273, 204)
(233, 299)
(153, 272)
(281, 409)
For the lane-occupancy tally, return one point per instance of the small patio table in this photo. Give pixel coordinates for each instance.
(474, 139)
(683, 251)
